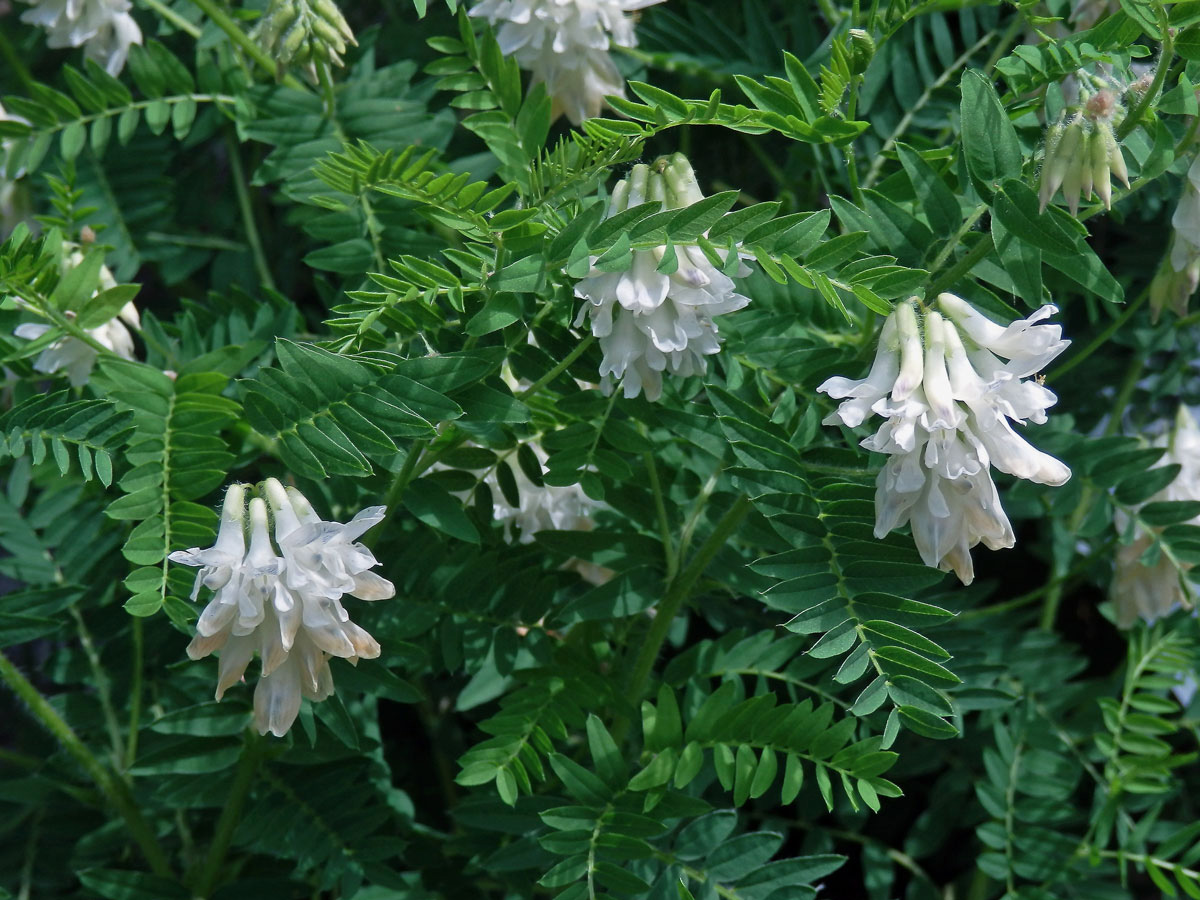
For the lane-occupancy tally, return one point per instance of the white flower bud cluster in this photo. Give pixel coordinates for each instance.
(282, 597)
(947, 398)
(565, 44)
(104, 28)
(657, 315)
(1179, 275)
(1082, 153)
(73, 355)
(1153, 591)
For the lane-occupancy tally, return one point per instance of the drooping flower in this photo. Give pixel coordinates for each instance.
(1179, 275)
(948, 398)
(1082, 154)
(104, 28)
(304, 33)
(565, 44)
(281, 597)
(73, 355)
(1151, 591)
(656, 314)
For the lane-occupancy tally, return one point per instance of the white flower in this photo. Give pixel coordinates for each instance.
(78, 357)
(657, 316)
(282, 598)
(565, 44)
(948, 399)
(1179, 275)
(1153, 591)
(541, 508)
(103, 27)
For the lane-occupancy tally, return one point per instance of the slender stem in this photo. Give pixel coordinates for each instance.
(559, 369)
(226, 23)
(1160, 75)
(677, 594)
(112, 787)
(102, 687)
(231, 814)
(660, 508)
(961, 268)
(17, 65)
(135, 693)
(173, 17)
(968, 223)
(238, 174)
(325, 77)
(1102, 338)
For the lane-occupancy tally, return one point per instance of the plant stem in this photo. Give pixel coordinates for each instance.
(112, 787)
(102, 687)
(559, 369)
(135, 694)
(677, 593)
(173, 17)
(226, 23)
(660, 508)
(14, 61)
(1160, 75)
(231, 814)
(1102, 338)
(964, 265)
(238, 174)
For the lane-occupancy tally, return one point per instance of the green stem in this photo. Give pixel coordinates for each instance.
(102, 687)
(677, 594)
(1160, 75)
(135, 693)
(559, 369)
(1102, 338)
(226, 23)
(238, 173)
(112, 787)
(964, 265)
(325, 78)
(173, 17)
(10, 56)
(660, 508)
(231, 814)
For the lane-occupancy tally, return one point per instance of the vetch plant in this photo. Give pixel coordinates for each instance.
(526, 318)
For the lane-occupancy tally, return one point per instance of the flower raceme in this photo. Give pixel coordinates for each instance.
(1082, 153)
(278, 592)
(1153, 590)
(656, 315)
(948, 397)
(76, 356)
(104, 28)
(565, 44)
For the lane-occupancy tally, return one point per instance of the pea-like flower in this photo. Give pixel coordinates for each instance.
(1179, 275)
(1082, 154)
(565, 44)
(1151, 591)
(281, 596)
(75, 356)
(949, 397)
(656, 314)
(104, 28)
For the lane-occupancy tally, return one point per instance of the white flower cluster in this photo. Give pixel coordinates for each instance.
(283, 598)
(947, 399)
(565, 44)
(541, 508)
(103, 27)
(1179, 275)
(657, 315)
(75, 356)
(1153, 591)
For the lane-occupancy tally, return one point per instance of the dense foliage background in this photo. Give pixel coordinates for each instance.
(363, 284)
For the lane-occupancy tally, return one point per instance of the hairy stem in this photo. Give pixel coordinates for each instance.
(113, 788)
(227, 24)
(231, 814)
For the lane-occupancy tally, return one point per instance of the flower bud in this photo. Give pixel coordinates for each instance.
(862, 50)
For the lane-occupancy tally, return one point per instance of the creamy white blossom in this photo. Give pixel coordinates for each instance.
(1179, 275)
(544, 507)
(565, 44)
(74, 356)
(657, 314)
(104, 28)
(948, 398)
(279, 594)
(1152, 591)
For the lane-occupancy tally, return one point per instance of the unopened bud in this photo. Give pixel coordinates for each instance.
(87, 235)
(862, 50)
(682, 186)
